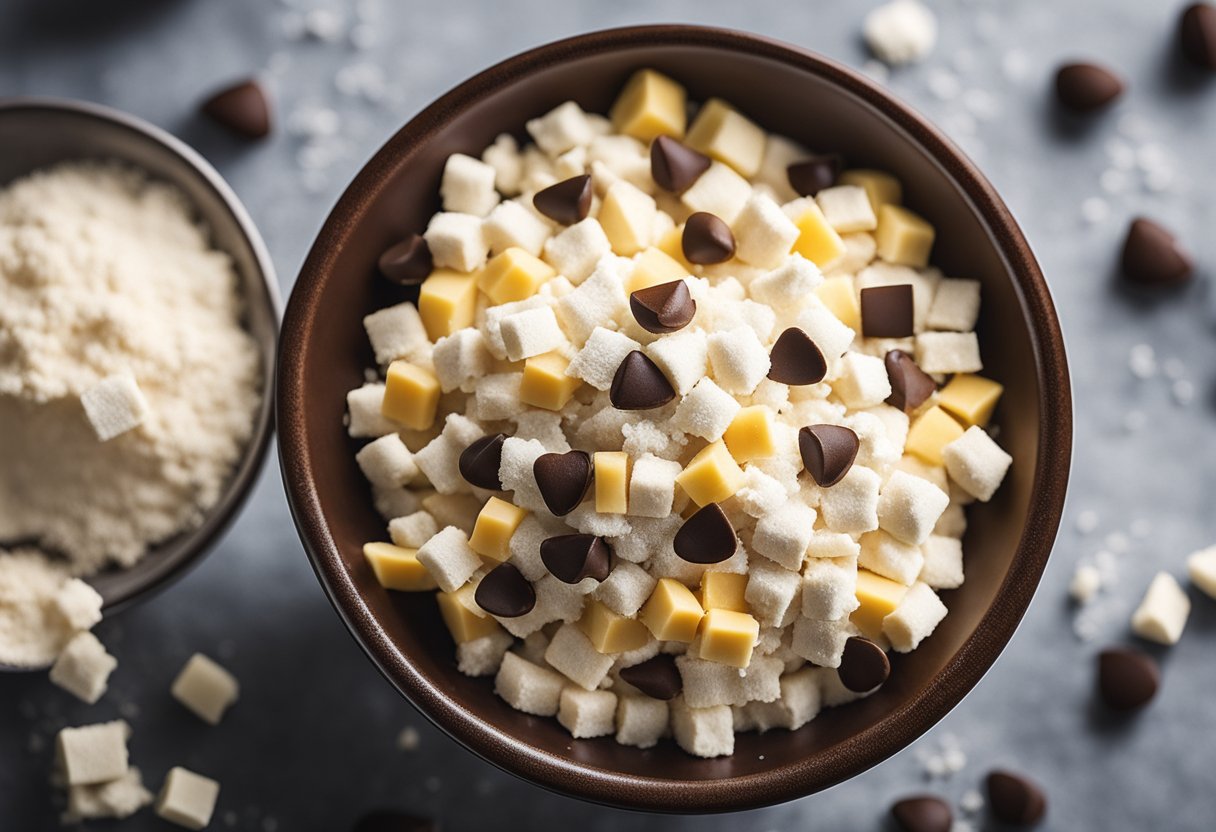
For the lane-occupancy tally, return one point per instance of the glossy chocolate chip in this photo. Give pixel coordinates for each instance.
(572, 557)
(886, 311)
(827, 452)
(910, 385)
(1152, 256)
(1014, 799)
(706, 537)
(675, 166)
(812, 175)
(707, 240)
(390, 821)
(658, 678)
(241, 108)
(796, 359)
(479, 463)
(1197, 35)
(505, 592)
(922, 813)
(639, 384)
(563, 479)
(1086, 88)
(863, 665)
(1127, 678)
(408, 262)
(667, 307)
(566, 202)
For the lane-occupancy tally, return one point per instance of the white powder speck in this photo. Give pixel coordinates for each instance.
(971, 802)
(1142, 361)
(1085, 584)
(900, 32)
(408, 739)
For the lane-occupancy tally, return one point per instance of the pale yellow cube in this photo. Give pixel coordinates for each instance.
(817, 240)
(839, 295)
(397, 567)
(727, 637)
(461, 622)
(934, 430)
(650, 105)
(711, 476)
(672, 244)
(723, 591)
(627, 216)
(611, 481)
(447, 302)
(672, 612)
(877, 598)
(495, 524)
(411, 395)
(750, 435)
(545, 383)
(881, 188)
(653, 267)
(971, 398)
(721, 132)
(611, 632)
(903, 238)
(513, 275)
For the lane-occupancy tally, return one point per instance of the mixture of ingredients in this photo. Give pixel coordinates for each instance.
(682, 426)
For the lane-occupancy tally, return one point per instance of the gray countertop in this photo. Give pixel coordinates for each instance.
(313, 742)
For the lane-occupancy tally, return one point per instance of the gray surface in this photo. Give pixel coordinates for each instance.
(312, 742)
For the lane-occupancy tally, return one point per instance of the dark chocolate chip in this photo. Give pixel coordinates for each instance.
(1127, 678)
(505, 592)
(390, 821)
(639, 384)
(1197, 35)
(1014, 799)
(667, 307)
(910, 385)
(566, 202)
(812, 175)
(675, 166)
(408, 262)
(572, 557)
(1151, 255)
(241, 108)
(922, 813)
(886, 311)
(479, 463)
(563, 479)
(827, 452)
(1086, 88)
(707, 240)
(658, 678)
(863, 665)
(796, 359)
(706, 537)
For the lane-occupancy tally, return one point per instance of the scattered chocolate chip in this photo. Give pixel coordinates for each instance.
(566, 202)
(796, 359)
(667, 307)
(886, 311)
(827, 452)
(1127, 678)
(639, 384)
(922, 813)
(812, 175)
(1151, 255)
(408, 262)
(706, 537)
(658, 678)
(910, 385)
(479, 463)
(675, 166)
(505, 592)
(863, 665)
(1014, 799)
(707, 240)
(572, 557)
(390, 821)
(242, 108)
(1197, 35)
(1086, 88)
(563, 479)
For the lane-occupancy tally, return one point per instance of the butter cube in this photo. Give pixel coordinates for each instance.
(750, 435)
(723, 133)
(881, 188)
(711, 476)
(513, 275)
(817, 240)
(611, 632)
(545, 383)
(187, 799)
(839, 295)
(672, 612)
(970, 398)
(934, 430)
(411, 396)
(627, 216)
(653, 267)
(903, 238)
(672, 244)
(397, 567)
(461, 622)
(877, 597)
(650, 105)
(723, 591)
(447, 302)
(611, 481)
(495, 524)
(727, 637)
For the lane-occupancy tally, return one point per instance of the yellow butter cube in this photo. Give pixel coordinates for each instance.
(712, 475)
(723, 591)
(934, 430)
(495, 524)
(398, 568)
(545, 383)
(881, 188)
(971, 398)
(611, 632)
(447, 302)
(721, 132)
(727, 637)
(839, 295)
(672, 612)
(672, 244)
(650, 105)
(627, 215)
(750, 435)
(513, 275)
(611, 481)
(817, 240)
(903, 238)
(460, 620)
(653, 267)
(877, 598)
(411, 395)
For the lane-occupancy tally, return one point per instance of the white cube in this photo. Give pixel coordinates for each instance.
(456, 241)
(943, 567)
(719, 191)
(976, 463)
(467, 186)
(640, 721)
(483, 656)
(892, 558)
(386, 462)
(626, 588)
(826, 330)
(93, 753)
(1201, 566)
(114, 406)
(205, 688)
(449, 559)
(682, 356)
(909, 507)
(847, 209)
(563, 127)
(652, 486)
(504, 156)
(363, 405)
(587, 713)
(396, 332)
(771, 592)
(851, 505)
(79, 604)
(460, 359)
(956, 306)
(572, 654)
(829, 588)
(915, 619)
(597, 362)
(948, 352)
(531, 333)
(600, 301)
(763, 233)
(1163, 612)
(576, 250)
(784, 535)
(187, 799)
(512, 225)
(703, 732)
(738, 359)
(821, 642)
(706, 411)
(82, 668)
(789, 285)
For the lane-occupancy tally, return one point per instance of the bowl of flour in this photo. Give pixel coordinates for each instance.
(137, 339)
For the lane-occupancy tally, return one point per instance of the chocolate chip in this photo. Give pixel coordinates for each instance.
(639, 384)
(827, 452)
(1014, 799)
(706, 537)
(667, 307)
(505, 592)
(479, 463)
(563, 479)
(658, 678)
(796, 359)
(707, 240)
(886, 311)
(566, 202)
(1127, 678)
(242, 108)
(1151, 255)
(1086, 88)
(812, 175)
(675, 166)
(572, 557)
(863, 665)
(390, 821)
(910, 385)
(922, 813)
(408, 262)
(1197, 35)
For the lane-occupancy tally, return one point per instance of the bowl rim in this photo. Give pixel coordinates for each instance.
(894, 731)
(185, 551)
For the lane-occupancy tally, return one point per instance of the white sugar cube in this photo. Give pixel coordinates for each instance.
(719, 191)
(706, 411)
(798, 705)
(460, 359)
(93, 753)
(642, 438)
(789, 285)
(976, 463)
(763, 233)
(876, 449)
(529, 687)
(1162, 613)
(885, 555)
(467, 186)
(456, 241)
(587, 713)
(412, 530)
(948, 352)
(483, 656)
(862, 381)
(682, 357)
(738, 359)
(395, 502)
(1201, 566)
(851, 505)
(449, 559)
(458, 510)
(495, 397)
(570, 164)
(576, 250)
(597, 362)
(859, 249)
(900, 32)
(829, 587)
(563, 127)
(396, 332)
(205, 688)
(953, 522)
(530, 333)
(784, 535)
(821, 642)
(187, 799)
(915, 619)
(640, 721)
(114, 406)
(832, 691)
(598, 302)
(439, 460)
(503, 155)
(652, 486)
(909, 507)
(829, 334)
(771, 592)
(703, 732)
(512, 225)
(79, 604)
(956, 306)
(363, 404)
(555, 601)
(119, 798)
(543, 426)
(490, 323)
(826, 544)
(386, 462)
(648, 538)
(82, 668)
(943, 567)
(847, 209)
(626, 588)
(628, 214)
(572, 654)
(761, 494)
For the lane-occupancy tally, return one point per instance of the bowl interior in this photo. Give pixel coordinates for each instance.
(787, 91)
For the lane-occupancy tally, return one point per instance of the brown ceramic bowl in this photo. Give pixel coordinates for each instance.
(785, 89)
